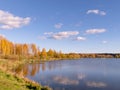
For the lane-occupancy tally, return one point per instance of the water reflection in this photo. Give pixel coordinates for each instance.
(65, 80)
(85, 74)
(81, 76)
(96, 84)
(33, 69)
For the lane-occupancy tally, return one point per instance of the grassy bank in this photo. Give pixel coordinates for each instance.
(11, 81)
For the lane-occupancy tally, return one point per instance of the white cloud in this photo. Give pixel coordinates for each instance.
(58, 25)
(80, 39)
(96, 84)
(9, 21)
(96, 11)
(65, 34)
(95, 31)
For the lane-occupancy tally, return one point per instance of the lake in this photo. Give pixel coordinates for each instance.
(83, 74)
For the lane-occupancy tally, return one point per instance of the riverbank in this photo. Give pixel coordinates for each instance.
(12, 81)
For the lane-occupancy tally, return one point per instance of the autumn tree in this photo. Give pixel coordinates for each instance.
(34, 49)
(25, 50)
(38, 53)
(11, 48)
(50, 53)
(18, 49)
(56, 54)
(43, 54)
(5, 47)
(60, 54)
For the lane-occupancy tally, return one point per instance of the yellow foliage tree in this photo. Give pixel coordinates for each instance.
(43, 53)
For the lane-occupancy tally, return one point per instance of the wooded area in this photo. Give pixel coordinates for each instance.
(12, 50)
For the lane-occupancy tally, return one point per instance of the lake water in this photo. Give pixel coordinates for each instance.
(83, 74)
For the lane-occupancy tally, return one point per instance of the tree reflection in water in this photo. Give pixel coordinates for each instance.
(86, 74)
(34, 68)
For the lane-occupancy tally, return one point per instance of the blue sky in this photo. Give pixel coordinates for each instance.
(84, 26)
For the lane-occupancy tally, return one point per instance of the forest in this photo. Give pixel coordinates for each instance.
(18, 51)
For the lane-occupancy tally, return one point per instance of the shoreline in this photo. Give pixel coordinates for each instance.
(7, 67)
(22, 82)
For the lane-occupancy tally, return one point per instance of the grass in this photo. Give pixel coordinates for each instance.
(10, 81)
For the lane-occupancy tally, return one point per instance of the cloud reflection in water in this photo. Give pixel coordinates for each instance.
(81, 76)
(96, 84)
(65, 80)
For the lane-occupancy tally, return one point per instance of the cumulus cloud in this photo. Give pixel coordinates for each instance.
(58, 25)
(61, 35)
(80, 39)
(64, 34)
(96, 11)
(96, 84)
(10, 21)
(95, 31)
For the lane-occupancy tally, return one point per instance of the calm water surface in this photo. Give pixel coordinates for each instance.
(83, 74)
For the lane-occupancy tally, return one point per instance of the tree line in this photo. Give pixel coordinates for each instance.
(12, 50)
(100, 55)
(29, 51)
